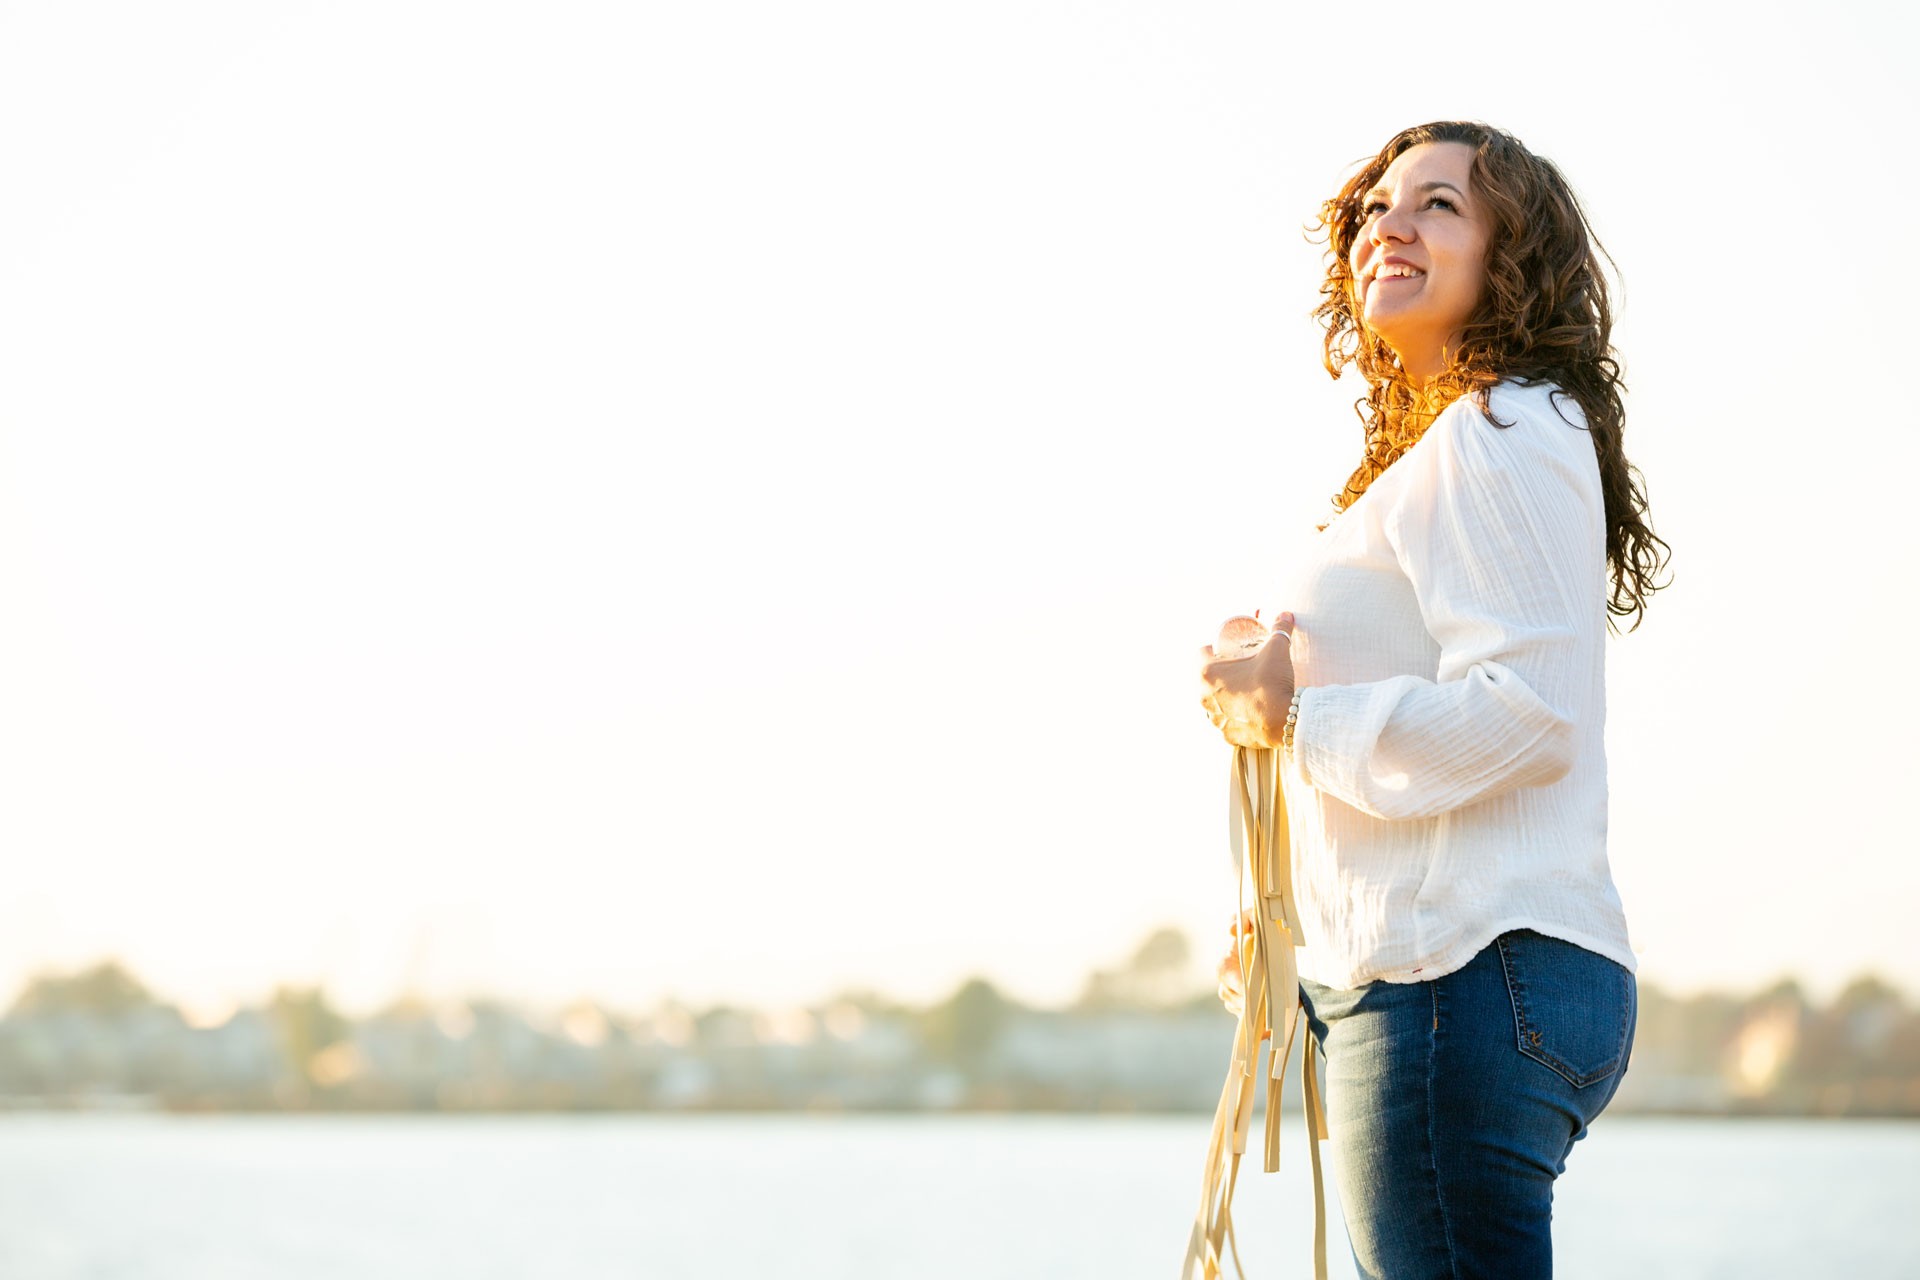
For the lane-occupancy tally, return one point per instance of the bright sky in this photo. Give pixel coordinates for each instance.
(722, 500)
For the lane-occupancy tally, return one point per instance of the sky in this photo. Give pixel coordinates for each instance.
(721, 502)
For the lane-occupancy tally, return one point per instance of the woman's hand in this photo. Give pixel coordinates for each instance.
(1246, 698)
(1233, 993)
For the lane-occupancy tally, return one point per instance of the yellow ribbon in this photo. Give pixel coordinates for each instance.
(1270, 980)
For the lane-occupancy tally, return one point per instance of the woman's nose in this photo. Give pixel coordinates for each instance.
(1394, 223)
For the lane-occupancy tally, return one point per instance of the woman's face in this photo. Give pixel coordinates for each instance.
(1419, 259)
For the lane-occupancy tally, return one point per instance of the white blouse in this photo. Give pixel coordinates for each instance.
(1449, 778)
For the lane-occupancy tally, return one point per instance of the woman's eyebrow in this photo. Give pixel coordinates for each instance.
(1423, 189)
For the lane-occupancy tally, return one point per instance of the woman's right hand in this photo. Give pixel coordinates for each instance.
(1246, 696)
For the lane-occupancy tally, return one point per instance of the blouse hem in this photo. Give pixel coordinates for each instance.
(1458, 956)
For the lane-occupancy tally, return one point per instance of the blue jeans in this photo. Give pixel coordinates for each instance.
(1452, 1104)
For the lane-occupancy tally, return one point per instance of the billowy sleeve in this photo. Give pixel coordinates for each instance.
(1501, 532)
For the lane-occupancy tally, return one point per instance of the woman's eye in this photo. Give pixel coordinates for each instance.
(1372, 207)
(1443, 202)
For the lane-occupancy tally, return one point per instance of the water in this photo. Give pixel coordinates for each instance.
(87, 1197)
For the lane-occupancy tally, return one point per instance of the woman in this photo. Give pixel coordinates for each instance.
(1437, 696)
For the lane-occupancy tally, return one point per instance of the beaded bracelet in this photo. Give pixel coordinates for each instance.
(1293, 718)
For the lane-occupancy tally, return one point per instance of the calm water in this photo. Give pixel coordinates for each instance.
(805, 1198)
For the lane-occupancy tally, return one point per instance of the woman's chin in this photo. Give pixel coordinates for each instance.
(1384, 319)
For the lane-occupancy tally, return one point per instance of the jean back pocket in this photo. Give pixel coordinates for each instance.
(1573, 1010)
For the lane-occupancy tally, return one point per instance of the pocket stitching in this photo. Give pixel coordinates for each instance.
(1523, 1028)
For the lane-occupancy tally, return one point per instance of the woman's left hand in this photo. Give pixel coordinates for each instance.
(1246, 698)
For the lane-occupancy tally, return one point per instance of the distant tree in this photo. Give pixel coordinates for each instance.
(1867, 1015)
(1155, 977)
(1158, 971)
(962, 1029)
(871, 1003)
(106, 989)
(1849, 1042)
(1868, 991)
(306, 1024)
(723, 1026)
(1786, 992)
(1103, 990)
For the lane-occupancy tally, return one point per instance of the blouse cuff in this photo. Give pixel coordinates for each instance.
(1303, 734)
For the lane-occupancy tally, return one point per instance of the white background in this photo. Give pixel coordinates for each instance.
(623, 500)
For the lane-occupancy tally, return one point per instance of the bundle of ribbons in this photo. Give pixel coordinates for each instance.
(1270, 1012)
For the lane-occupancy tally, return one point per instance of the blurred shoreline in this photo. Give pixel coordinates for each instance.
(1137, 1039)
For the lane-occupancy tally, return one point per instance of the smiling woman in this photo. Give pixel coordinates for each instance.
(1504, 228)
(1436, 697)
(1418, 273)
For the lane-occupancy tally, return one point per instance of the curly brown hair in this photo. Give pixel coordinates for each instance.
(1543, 316)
